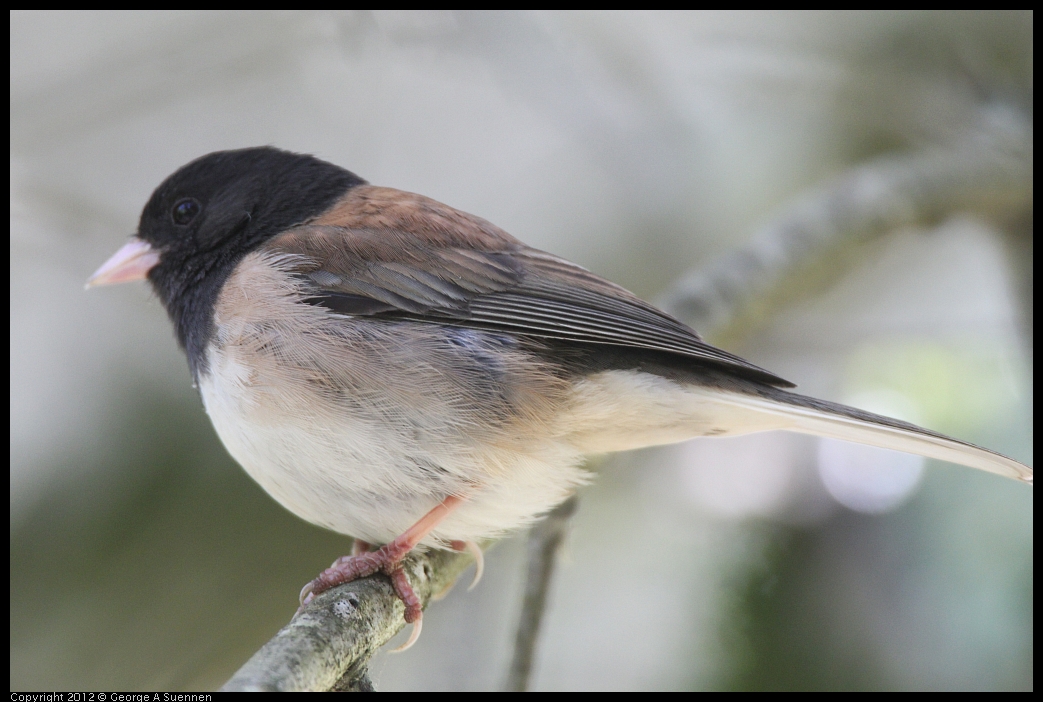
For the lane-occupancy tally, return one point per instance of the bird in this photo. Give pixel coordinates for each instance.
(399, 371)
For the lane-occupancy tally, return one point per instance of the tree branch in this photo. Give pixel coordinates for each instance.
(544, 542)
(987, 170)
(327, 646)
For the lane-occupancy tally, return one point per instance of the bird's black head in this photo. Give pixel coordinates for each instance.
(209, 214)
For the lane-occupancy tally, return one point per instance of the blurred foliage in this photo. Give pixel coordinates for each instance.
(814, 614)
(956, 388)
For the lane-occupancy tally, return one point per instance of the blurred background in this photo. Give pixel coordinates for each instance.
(644, 146)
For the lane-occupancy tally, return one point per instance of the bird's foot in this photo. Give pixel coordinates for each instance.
(388, 560)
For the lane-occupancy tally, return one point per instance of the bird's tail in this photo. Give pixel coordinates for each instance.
(808, 415)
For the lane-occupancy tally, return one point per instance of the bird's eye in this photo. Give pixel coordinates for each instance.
(185, 211)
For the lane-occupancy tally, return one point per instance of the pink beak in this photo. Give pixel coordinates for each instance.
(132, 262)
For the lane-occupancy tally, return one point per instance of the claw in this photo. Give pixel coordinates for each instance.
(479, 559)
(418, 624)
(479, 563)
(307, 593)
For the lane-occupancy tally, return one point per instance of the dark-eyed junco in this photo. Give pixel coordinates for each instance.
(394, 369)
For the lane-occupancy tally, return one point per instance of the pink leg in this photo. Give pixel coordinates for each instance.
(388, 560)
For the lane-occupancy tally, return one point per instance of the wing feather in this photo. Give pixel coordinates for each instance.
(397, 273)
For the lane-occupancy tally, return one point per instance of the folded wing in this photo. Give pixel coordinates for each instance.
(395, 274)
